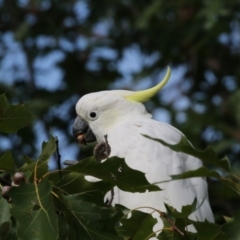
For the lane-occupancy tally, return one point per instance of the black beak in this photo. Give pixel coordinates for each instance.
(82, 132)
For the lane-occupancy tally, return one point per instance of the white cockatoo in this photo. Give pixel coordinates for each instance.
(121, 116)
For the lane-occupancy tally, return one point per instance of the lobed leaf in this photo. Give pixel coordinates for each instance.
(206, 230)
(200, 172)
(48, 148)
(138, 226)
(204, 172)
(75, 183)
(167, 232)
(39, 167)
(34, 212)
(64, 230)
(115, 171)
(232, 227)
(87, 220)
(207, 156)
(13, 117)
(7, 162)
(5, 218)
(231, 184)
(185, 211)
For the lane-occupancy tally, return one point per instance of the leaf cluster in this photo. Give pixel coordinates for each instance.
(53, 52)
(62, 204)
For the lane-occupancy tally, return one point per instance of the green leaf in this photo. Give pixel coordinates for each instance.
(64, 230)
(181, 224)
(232, 227)
(27, 159)
(48, 148)
(7, 162)
(13, 117)
(185, 211)
(4, 210)
(89, 221)
(34, 212)
(142, 22)
(5, 217)
(22, 30)
(179, 220)
(167, 231)
(206, 230)
(11, 235)
(138, 226)
(207, 156)
(4, 229)
(39, 167)
(231, 184)
(227, 219)
(204, 172)
(115, 171)
(74, 183)
(200, 172)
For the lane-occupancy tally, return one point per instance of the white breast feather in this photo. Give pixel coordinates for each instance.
(158, 162)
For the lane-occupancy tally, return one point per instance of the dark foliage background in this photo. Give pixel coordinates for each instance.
(77, 47)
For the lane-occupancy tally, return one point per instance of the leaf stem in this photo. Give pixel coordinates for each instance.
(48, 173)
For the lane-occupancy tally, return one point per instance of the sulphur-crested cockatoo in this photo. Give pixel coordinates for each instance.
(121, 116)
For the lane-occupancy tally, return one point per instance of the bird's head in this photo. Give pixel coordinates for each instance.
(98, 113)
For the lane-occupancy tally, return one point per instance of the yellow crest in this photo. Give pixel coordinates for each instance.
(145, 95)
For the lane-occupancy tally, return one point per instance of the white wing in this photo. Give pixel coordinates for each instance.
(158, 162)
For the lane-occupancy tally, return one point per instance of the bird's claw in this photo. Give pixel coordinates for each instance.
(70, 162)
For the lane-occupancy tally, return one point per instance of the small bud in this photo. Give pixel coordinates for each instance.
(18, 177)
(5, 190)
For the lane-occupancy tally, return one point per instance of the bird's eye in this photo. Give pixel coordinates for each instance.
(93, 115)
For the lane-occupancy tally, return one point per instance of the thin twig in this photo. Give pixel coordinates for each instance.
(173, 224)
(154, 233)
(53, 193)
(58, 159)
